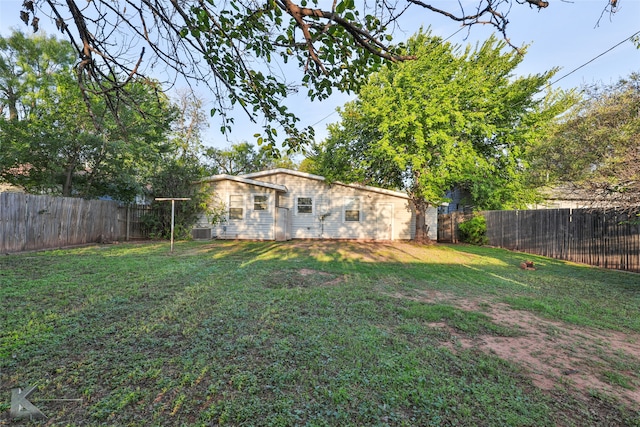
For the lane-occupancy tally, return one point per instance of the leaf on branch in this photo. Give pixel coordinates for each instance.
(60, 24)
(34, 23)
(28, 5)
(24, 16)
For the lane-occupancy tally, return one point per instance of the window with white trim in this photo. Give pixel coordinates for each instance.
(351, 209)
(260, 202)
(236, 207)
(304, 205)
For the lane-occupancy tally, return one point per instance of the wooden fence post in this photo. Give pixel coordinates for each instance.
(128, 223)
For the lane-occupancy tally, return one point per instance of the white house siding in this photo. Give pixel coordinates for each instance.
(329, 202)
(258, 225)
(383, 214)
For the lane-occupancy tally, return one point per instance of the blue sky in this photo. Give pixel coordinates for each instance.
(565, 35)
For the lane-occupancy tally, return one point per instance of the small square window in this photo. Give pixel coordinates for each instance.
(305, 205)
(351, 215)
(352, 209)
(260, 203)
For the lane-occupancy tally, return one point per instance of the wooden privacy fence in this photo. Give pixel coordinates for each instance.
(29, 222)
(448, 226)
(132, 224)
(606, 238)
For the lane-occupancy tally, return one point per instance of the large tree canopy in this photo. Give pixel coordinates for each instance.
(240, 48)
(452, 118)
(28, 69)
(243, 158)
(596, 147)
(48, 144)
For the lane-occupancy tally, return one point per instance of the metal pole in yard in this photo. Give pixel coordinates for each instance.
(173, 210)
(173, 215)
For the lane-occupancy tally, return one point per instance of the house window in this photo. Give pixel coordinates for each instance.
(260, 203)
(304, 205)
(236, 207)
(352, 209)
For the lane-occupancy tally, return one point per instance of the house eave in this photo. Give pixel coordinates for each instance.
(270, 172)
(244, 180)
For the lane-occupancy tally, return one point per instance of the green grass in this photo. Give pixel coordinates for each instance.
(282, 334)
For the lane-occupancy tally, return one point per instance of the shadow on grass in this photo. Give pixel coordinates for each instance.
(293, 333)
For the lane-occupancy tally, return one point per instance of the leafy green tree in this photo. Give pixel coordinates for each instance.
(175, 177)
(28, 66)
(242, 50)
(596, 145)
(244, 158)
(451, 118)
(63, 141)
(177, 171)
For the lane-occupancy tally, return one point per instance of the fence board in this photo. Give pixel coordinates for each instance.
(29, 222)
(131, 221)
(604, 238)
(448, 226)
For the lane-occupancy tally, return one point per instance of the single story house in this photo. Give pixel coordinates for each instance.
(569, 196)
(562, 196)
(459, 201)
(283, 204)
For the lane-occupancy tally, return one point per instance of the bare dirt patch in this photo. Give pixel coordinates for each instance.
(553, 353)
(331, 279)
(302, 278)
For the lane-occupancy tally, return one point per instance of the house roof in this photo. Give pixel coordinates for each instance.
(567, 192)
(322, 178)
(249, 178)
(243, 179)
(284, 171)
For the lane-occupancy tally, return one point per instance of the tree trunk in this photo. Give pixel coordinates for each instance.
(12, 101)
(68, 178)
(422, 229)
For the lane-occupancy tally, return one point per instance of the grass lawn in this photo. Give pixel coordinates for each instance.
(319, 334)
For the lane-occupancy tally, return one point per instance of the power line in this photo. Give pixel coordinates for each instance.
(552, 83)
(461, 28)
(324, 118)
(593, 59)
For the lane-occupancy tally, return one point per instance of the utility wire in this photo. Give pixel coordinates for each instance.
(461, 28)
(551, 84)
(593, 59)
(324, 118)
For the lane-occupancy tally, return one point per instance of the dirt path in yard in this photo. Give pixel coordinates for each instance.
(554, 353)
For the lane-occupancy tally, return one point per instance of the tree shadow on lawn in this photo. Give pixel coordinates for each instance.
(624, 281)
(312, 327)
(556, 353)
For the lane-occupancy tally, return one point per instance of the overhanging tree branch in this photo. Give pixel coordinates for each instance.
(229, 46)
